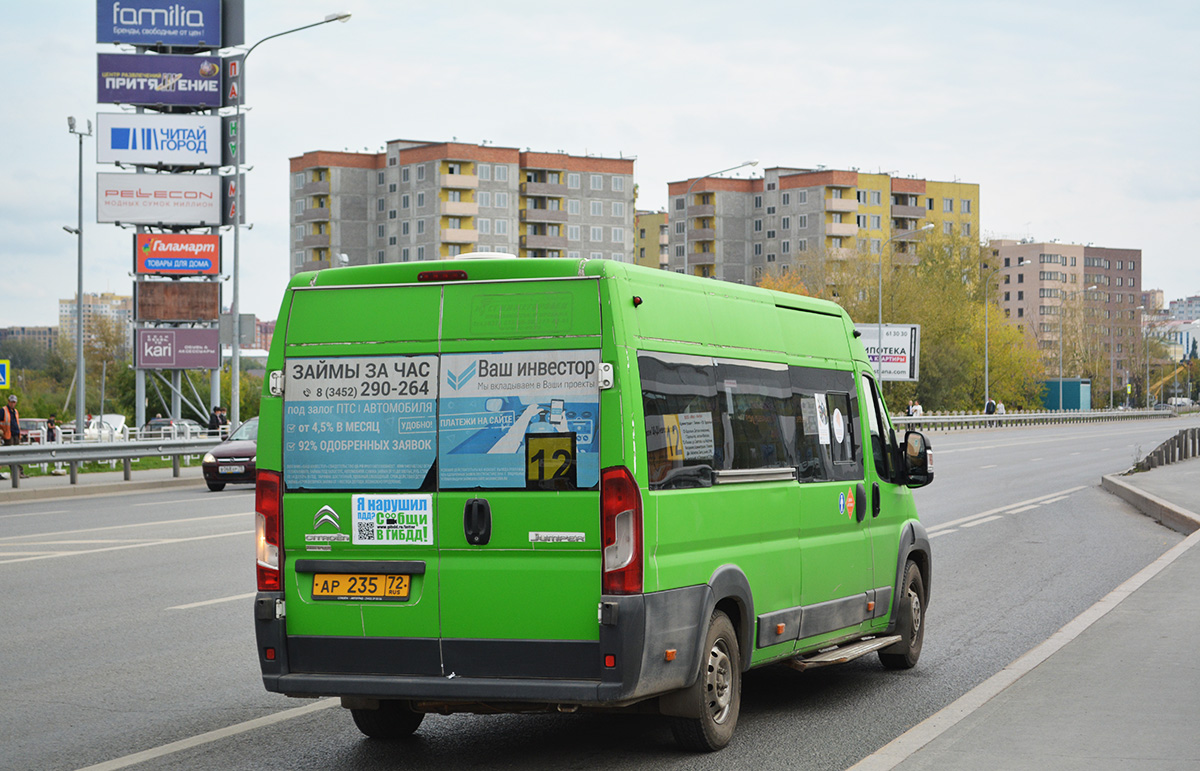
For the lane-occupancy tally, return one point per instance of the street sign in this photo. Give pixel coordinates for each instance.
(3, 373)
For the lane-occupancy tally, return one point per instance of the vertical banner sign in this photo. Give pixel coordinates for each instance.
(233, 196)
(232, 146)
(233, 82)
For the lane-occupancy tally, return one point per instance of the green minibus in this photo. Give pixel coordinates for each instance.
(510, 485)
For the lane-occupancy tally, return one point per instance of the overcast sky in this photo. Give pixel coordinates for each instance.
(1079, 120)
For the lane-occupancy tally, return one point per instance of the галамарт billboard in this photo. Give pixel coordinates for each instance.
(148, 139)
(150, 199)
(177, 254)
(178, 349)
(145, 79)
(186, 23)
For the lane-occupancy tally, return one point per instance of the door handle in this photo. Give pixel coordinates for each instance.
(875, 502)
(477, 521)
(860, 502)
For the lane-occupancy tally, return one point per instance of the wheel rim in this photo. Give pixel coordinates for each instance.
(718, 682)
(914, 600)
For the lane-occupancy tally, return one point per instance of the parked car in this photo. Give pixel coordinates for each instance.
(168, 428)
(109, 427)
(232, 461)
(33, 430)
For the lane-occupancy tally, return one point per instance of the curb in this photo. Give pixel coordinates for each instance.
(101, 488)
(1178, 519)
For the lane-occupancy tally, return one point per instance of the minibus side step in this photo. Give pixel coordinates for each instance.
(842, 653)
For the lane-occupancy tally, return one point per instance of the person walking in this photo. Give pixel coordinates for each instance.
(10, 428)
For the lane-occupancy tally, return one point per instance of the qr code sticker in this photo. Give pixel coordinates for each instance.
(366, 531)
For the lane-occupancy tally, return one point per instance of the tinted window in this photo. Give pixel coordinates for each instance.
(684, 435)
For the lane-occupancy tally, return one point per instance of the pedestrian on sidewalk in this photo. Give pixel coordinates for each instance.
(10, 428)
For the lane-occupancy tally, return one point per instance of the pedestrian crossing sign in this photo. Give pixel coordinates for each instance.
(3, 373)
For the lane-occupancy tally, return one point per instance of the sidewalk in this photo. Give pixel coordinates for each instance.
(1116, 688)
(97, 483)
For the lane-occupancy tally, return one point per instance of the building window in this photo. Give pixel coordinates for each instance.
(298, 179)
(757, 226)
(501, 227)
(420, 252)
(379, 233)
(679, 251)
(618, 235)
(484, 198)
(421, 172)
(876, 246)
(404, 254)
(948, 228)
(393, 160)
(836, 242)
(484, 226)
(929, 204)
(573, 180)
(596, 255)
(597, 181)
(618, 207)
(404, 201)
(597, 208)
(966, 228)
(572, 255)
(758, 202)
(770, 258)
(948, 205)
(965, 206)
(597, 234)
(421, 199)
(802, 244)
(861, 195)
(404, 227)
(1020, 278)
(770, 234)
(500, 199)
(786, 199)
(802, 221)
(876, 222)
(802, 196)
(379, 204)
(1020, 312)
(404, 174)
(392, 241)
(379, 178)
(501, 173)
(835, 192)
(300, 206)
(876, 198)
(573, 206)
(299, 232)
(678, 204)
(861, 220)
(392, 188)
(572, 232)
(679, 226)
(786, 223)
(785, 247)
(391, 214)
(758, 250)
(618, 183)
(485, 171)
(420, 227)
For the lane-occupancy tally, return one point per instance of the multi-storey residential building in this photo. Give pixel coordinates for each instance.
(42, 337)
(1186, 309)
(263, 332)
(1040, 282)
(738, 229)
(651, 243)
(431, 201)
(106, 305)
(1152, 300)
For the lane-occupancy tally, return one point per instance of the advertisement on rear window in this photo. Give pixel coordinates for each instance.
(525, 420)
(365, 422)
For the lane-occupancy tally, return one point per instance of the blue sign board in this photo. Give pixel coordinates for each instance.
(182, 81)
(182, 23)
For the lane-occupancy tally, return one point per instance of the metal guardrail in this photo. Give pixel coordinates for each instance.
(963, 420)
(74, 453)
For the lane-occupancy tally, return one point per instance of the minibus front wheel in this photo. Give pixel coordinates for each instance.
(392, 720)
(717, 693)
(910, 622)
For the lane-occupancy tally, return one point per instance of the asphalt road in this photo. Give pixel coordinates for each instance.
(127, 629)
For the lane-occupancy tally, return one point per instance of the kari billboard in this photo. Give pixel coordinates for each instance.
(176, 254)
(148, 139)
(153, 80)
(178, 349)
(184, 23)
(152, 199)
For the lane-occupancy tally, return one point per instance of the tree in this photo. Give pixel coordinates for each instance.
(784, 282)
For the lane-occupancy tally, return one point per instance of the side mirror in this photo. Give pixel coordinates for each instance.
(918, 460)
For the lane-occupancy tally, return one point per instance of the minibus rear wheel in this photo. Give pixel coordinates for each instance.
(393, 720)
(910, 622)
(718, 690)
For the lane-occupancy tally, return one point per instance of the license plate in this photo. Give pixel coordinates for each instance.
(360, 586)
(231, 469)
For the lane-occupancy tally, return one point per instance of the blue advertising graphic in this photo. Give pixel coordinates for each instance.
(186, 81)
(364, 422)
(188, 23)
(150, 139)
(505, 417)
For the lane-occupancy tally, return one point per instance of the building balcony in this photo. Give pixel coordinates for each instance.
(841, 229)
(321, 213)
(702, 210)
(702, 234)
(316, 241)
(313, 188)
(841, 204)
(543, 215)
(909, 212)
(543, 242)
(903, 258)
(459, 236)
(550, 189)
(460, 208)
(461, 181)
(702, 258)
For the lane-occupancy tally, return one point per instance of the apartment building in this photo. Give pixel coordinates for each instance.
(41, 337)
(1185, 309)
(651, 243)
(106, 305)
(793, 218)
(1042, 283)
(418, 201)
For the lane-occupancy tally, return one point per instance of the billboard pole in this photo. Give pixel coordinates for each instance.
(235, 416)
(79, 371)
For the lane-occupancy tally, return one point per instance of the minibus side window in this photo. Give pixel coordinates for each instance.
(828, 445)
(877, 417)
(685, 438)
(754, 405)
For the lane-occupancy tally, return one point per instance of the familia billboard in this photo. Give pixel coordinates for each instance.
(153, 80)
(179, 23)
(177, 254)
(143, 139)
(178, 349)
(152, 199)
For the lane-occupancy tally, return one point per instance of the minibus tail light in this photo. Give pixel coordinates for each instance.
(442, 275)
(268, 528)
(620, 531)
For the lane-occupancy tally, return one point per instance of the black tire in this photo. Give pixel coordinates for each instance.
(910, 622)
(393, 720)
(718, 691)
(216, 487)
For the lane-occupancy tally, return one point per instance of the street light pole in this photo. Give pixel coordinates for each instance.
(879, 330)
(78, 231)
(238, 201)
(687, 195)
(987, 291)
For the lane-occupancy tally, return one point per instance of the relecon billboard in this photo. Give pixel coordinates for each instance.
(177, 301)
(187, 23)
(151, 199)
(154, 80)
(149, 139)
(178, 349)
(177, 254)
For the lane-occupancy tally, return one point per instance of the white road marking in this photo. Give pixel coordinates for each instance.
(32, 514)
(993, 465)
(212, 736)
(1026, 508)
(988, 519)
(1001, 509)
(173, 502)
(943, 532)
(1056, 500)
(157, 542)
(1034, 460)
(201, 604)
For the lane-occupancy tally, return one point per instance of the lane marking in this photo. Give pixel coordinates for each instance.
(33, 514)
(943, 532)
(1034, 460)
(212, 736)
(914, 739)
(1027, 508)
(989, 519)
(201, 604)
(993, 465)
(158, 542)
(1001, 509)
(119, 527)
(1056, 500)
(189, 500)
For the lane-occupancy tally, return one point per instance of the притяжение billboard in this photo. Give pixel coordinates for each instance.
(151, 80)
